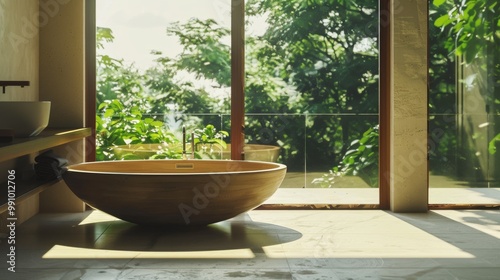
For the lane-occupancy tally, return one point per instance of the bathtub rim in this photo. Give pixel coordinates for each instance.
(277, 167)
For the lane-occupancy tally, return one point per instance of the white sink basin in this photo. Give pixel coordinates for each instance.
(25, 118)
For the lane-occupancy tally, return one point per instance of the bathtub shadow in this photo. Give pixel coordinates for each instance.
(237, 233)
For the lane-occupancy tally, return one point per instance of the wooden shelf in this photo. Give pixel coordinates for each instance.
(47, 139)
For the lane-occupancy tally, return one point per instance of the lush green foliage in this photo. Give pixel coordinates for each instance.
(124, 125)
(493, 143)
(311, 84)
(471, 26)
(122, 106)
(210, 136)
(361, 159)
(326, 53)
(309, 69)
(466, 32)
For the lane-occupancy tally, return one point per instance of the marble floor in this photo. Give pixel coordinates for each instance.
(488, 196)
(261, 244)
(297, 189)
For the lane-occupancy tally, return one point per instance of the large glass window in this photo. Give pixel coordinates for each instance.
(464, 102)
(316, 62)
(161, 66)
(311, 88)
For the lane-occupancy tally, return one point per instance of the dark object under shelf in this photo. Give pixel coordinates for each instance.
(5, 84)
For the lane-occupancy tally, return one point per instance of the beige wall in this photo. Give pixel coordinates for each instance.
(19, 61)
(19, 41)
(62, 81)
(62, 56)
(409, 169)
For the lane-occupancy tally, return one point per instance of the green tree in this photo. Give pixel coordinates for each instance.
(470, 30)
(308, 77)
(442, 99)
(471, 26)
(328, 52)
(317, 61)
(124, 110)
(204, 58)
(207, 57)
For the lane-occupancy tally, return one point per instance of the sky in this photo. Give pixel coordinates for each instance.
(139, 26)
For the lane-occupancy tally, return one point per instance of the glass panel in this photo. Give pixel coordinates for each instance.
(463, 103)
(312, 90)
(285, 132)
(356, 161)
(443, 147)
(309, 159)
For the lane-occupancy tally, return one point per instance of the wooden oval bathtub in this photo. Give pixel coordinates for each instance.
(174, 192)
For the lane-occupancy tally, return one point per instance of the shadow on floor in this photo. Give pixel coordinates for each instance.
(241, 233)
(458, 233)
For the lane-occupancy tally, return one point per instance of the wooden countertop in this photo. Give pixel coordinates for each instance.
(47, 139)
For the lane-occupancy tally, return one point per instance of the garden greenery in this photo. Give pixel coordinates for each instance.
(311, 84)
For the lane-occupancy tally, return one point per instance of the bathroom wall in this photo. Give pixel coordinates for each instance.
(62, 57)
(42, 41)
(62, 81)
(19, 60)
(19, 42)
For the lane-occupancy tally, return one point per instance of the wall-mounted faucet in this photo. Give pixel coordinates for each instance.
(5, 84)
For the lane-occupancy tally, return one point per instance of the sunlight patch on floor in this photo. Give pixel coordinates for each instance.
(66, 252)
(97, 217)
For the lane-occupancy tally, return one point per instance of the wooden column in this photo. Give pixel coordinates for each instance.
(90, 78)
(237, 78)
